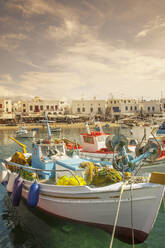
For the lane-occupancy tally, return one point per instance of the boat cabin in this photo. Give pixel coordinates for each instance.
(44, 153)
(93, 141)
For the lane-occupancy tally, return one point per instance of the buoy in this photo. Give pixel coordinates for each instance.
(11, 181)
(17, 191)
(3, 176)
(4, 173)
(33, 195)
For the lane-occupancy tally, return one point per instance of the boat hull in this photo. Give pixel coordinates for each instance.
(25, 135)
(97, 206)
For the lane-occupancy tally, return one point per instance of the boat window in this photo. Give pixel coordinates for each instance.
(60, 148)
(44, 150)
(88, 139)
(133, 142)
(100, 138)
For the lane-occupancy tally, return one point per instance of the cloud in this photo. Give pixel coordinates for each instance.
(152, 26)
(10, 41)
(31, 7)
(70, 48)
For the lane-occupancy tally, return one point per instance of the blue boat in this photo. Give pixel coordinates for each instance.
(161, 130)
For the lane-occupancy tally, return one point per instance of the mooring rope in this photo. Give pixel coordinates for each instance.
(117, 214)
(132, 227)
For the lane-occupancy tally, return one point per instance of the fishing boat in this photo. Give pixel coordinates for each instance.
(139, 198)
(98, 144)
(56, 129)
(24, 133)
(94, 198)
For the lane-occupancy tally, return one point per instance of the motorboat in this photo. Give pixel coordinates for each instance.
(24, 133)
(56, 129)
(98, 144)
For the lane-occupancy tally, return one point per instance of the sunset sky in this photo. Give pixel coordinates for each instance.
(82, 48)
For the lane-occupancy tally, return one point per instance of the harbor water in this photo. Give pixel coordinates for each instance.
(23, 227)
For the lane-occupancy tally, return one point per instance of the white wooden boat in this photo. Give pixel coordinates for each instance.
(139, 201)
(98, 145)
(24, 133)
(97, 206)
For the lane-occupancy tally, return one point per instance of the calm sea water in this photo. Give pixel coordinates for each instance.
(22, 227)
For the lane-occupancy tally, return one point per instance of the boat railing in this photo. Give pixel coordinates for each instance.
(28, 168)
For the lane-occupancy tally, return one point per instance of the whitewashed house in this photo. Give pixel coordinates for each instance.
(117, 108)
(88, 107)
(6, 110)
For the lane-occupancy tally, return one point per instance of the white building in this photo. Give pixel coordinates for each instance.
(36, 107)
(6, 111)
(162, 101)
(91, 107)
(117, 108)
(151, 107)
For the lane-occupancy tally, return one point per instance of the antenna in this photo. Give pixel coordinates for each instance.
(88, 129)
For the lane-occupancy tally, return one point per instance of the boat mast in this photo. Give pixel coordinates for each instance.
(48, 127)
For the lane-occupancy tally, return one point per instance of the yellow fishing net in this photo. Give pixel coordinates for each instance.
(71, 181)
(100, 176)
(19, 158)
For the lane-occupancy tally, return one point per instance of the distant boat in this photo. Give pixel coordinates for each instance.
(161, 130)
(56, 129)
(24, 133)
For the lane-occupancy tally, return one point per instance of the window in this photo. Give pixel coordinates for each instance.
(135, 108)
(124, 101)
(114, 101)
(83, 109)
(148, 109)
(78, 110)
(89, 140)
(36, 108)
(31, 108)
(126, 108)
(56, 107)
(99, 110)
(131, 108)
(41, 107)
(153, 108)
(7, 110)
(0, 105)
(164, 105)
(24, 110)
(116, 109)
(47, 107)
(52, 107)
(24, 105)
(91, 109)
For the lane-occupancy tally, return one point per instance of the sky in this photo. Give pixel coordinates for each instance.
(82, 48)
